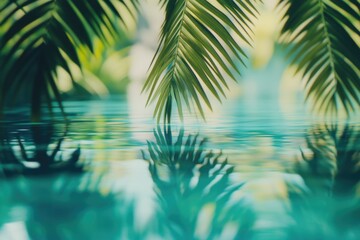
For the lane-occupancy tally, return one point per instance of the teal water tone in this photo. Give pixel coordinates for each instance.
(261, 164)
(252, 171)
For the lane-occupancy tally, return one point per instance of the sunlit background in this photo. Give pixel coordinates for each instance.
(123, 67)
(263, 127)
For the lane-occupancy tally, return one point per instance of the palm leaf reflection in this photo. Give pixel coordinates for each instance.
(69, 206)
(29, 152)
(336, 158)
(331, 207)
(75, 202)
(194, 190)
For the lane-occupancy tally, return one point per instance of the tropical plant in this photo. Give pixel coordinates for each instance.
(323, 36)
(44, 35)
(198, 51)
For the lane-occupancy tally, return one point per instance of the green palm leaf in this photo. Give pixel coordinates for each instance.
(324, 49)
(196, 53)
(43, 35)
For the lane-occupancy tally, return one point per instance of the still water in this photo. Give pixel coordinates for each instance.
(251, 171)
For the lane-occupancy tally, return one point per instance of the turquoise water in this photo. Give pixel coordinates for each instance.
(251, 171)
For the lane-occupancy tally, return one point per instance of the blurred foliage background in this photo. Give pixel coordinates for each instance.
(113, 53)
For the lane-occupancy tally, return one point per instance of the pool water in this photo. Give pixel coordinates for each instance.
(250, 171)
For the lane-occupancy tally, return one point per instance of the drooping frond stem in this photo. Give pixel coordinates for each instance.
(197, 53)
(44, 35)
(321, 35)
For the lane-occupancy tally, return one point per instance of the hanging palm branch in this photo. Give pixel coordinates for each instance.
(196, 52)
(322, 35)
(43, 35)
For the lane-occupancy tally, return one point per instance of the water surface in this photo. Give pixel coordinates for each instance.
(251, 171)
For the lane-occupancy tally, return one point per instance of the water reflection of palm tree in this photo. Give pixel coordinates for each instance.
(194, 190)
(331, 206)
(69, 206)
(335, 158)
(34, 149)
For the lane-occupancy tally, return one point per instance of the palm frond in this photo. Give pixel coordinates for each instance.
(196, 52)
(44, 35)
(321, 35)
